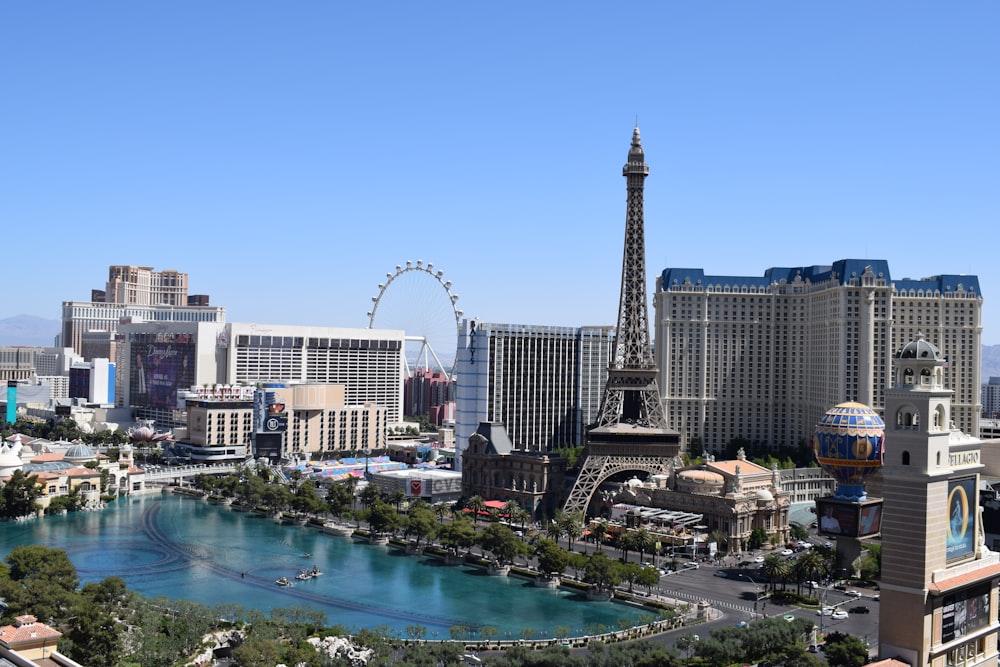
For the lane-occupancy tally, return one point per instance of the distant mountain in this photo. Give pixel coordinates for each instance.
(28, 330)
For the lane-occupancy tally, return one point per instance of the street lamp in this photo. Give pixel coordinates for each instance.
(756, 594)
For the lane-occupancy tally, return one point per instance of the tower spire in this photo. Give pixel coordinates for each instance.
(631, 393)
(630, 433)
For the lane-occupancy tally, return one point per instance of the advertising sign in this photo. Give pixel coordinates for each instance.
(849, 519)
(965, 612)
(963, 506)
(416, 488)
(274, 423)
(158, 370)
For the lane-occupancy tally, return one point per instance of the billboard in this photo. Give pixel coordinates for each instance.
(158, 369)
(965, 612)
(267, 446)
(963, 507)
(843, 518)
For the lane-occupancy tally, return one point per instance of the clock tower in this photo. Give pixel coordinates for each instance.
(939, 581)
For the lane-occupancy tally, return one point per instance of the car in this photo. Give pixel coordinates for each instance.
(813, 585)
(758, 559)
(721, 573)
(876, 597)
(789, 617)
(690, 566)
(860, 609)
(828, 545)
(853, 594)
(825, 611)
(840, 615)
(787, 552)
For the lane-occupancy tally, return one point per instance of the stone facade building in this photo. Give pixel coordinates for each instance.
(494, 470)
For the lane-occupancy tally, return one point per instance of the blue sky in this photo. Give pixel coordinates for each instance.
(289, 155)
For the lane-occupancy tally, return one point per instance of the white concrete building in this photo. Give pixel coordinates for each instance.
(543, 383)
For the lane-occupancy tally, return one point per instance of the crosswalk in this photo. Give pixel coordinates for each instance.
(694, 597)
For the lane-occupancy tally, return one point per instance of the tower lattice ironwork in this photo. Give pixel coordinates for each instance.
(630, 433)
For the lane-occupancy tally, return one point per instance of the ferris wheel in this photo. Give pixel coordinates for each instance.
(422, 304)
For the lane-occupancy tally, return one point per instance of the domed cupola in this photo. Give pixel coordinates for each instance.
(79, 453)
(919, 366)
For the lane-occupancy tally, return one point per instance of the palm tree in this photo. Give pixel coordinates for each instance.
(642, 542)
(626, 543)
(553, 530)
(600, 531)
(812, 564)
(775, 568)
(572, 525)
(475, 504)
(720, 537)
(441, 510)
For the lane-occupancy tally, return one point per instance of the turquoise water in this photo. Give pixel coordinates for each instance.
(185, 548)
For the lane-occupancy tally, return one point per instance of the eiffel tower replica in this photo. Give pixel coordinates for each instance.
(630, 433)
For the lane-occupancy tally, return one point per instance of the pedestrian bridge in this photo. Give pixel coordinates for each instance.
(177, 475)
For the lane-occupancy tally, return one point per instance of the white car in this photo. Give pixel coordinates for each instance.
(758, 559)
(840, 615)
(787, 552)
(690, 566)
(825, 611)
(853, 594)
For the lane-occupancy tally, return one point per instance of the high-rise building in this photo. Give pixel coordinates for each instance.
(141, 285)
(162, 359)
(939, 579)
(133, 294)
(991, 398)
(431, 394)
(367, 362)
(543, 383)
(761, 359)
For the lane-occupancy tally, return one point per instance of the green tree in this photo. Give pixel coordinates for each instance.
(340, 499)
(845, 650)
(41, 581)
(643, 542)
(475, 504)
(306, 498)
(257, 653)
(501, 541)
(602, 572)
(96, 634)
(456, 535)
(382, 518)
(420, 523)
(551, 558)
(18, 495)
(758, 538)
(776, 569)
(571, 524)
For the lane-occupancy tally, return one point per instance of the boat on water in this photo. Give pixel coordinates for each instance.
(303, 575)
(283, 581)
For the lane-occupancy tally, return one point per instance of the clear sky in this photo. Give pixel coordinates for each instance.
(288, 155)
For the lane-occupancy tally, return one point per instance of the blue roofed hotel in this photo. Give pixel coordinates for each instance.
(762, 358)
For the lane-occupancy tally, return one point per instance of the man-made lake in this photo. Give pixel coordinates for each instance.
(185, 548)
